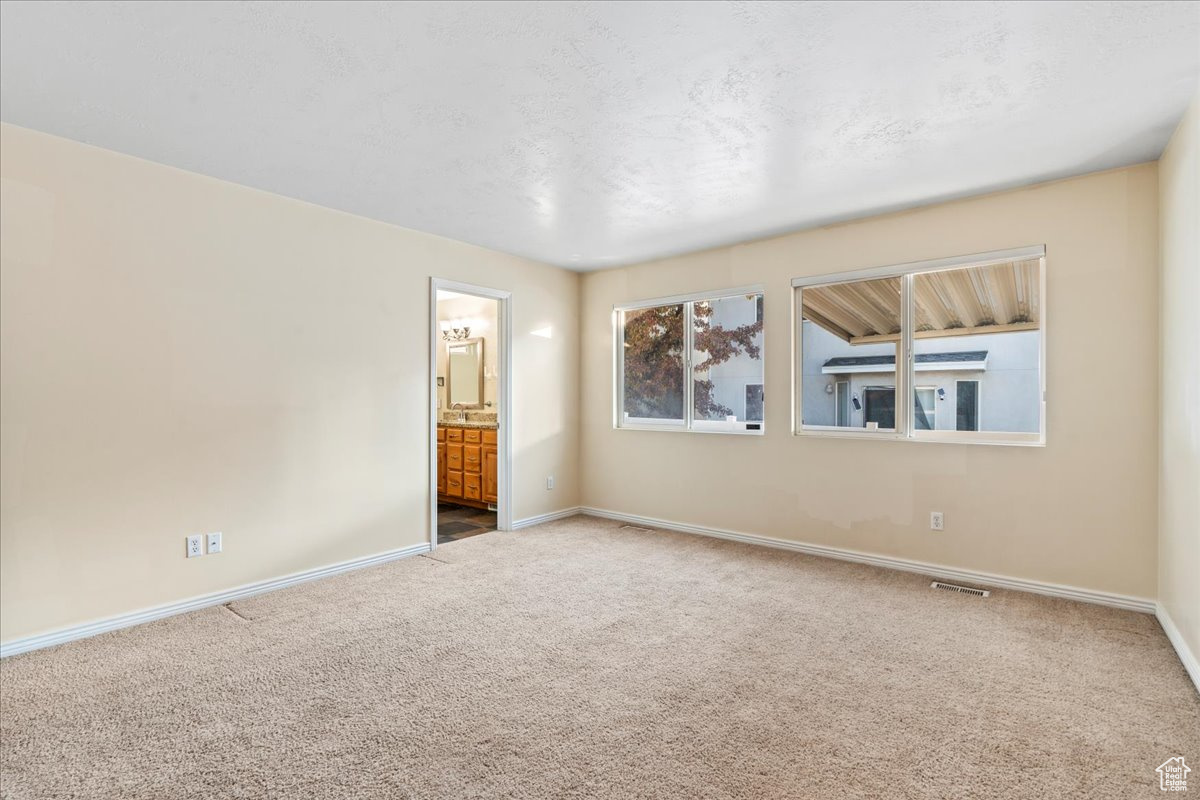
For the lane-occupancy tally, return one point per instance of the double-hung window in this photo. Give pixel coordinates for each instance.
(906, 352)
(691, 362)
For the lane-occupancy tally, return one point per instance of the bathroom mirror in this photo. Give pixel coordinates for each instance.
(464, 373)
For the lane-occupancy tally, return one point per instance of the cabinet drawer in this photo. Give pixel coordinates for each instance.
(454, 484)
(472, 486)
(454, 456)
(454, 434)
(441, 434)
(489, 437)
(472, 458)
(472, 435)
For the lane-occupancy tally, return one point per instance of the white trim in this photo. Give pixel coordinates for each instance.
(70, 634)
(1142, 604)
(540, 518)
(1190, 663)
(691, 297)
(504, 433)
(932, 265)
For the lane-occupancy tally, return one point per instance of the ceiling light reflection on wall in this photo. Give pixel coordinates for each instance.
(546, 332)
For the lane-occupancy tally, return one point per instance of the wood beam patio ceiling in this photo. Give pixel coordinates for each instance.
(998, 298)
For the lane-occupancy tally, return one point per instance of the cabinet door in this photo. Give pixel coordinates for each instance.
(441, 469)
(491, 475)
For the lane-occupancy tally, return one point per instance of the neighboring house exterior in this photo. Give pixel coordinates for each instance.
(988, 382)
(738, 382)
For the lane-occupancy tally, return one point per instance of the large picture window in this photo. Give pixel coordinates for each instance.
(691, 363)
(907, 352)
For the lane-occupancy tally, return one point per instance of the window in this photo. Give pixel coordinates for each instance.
(880, 411)
(906, 352)
(691, 363)
(925, 409)
(652, 345)
(754, 402)
(966, 406)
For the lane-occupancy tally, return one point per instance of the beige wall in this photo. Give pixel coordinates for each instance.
(185, 355)
(1179, 463)
(1081, 511)
(481, 308)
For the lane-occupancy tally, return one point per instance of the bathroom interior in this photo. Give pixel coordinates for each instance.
(468, 381)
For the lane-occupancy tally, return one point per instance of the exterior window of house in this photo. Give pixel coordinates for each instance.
(966, 407)
(880, 407)
(754, 402)
(925, 408)
(691, 363)
(906, 352)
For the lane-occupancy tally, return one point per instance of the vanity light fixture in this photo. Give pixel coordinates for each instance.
(454, 330)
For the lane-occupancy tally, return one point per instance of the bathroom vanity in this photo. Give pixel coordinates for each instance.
(467, 465)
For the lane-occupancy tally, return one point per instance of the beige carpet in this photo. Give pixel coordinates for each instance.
(580, 660)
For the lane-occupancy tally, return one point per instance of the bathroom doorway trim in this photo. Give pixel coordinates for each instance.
(504, 417)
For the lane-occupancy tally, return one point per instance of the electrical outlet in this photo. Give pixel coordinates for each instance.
(214, 543)
(937, 522)
(549, 482)
(195, 545)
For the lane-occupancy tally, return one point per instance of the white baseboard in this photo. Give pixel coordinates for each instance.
(24, 645)
(1190, 662)
(538, 520)
(1142, 604)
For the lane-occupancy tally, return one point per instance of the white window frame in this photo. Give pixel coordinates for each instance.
(688, 424)
(905, 378)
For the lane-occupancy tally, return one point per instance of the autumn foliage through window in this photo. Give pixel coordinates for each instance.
(690, 363)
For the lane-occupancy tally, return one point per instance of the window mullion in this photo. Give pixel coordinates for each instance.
(688, 341)
(905, 372)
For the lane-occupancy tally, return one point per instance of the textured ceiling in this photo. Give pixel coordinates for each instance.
(594, 134)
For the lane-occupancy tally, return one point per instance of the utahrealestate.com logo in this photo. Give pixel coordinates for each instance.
(1172, 775)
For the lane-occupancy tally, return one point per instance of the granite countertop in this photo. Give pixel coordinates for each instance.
(468, 424)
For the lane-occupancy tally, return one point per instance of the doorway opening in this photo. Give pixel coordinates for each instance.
(470, 410)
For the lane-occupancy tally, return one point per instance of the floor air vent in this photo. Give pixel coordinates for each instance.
(950, 587)
(634, 528)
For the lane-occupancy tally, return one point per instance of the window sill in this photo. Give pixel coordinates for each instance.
(680, 429)
(941, 437)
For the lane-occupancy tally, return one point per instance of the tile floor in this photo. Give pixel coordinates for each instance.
(460, 522)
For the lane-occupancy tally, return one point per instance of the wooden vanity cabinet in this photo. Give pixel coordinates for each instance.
(468, 465)
(441, 460)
